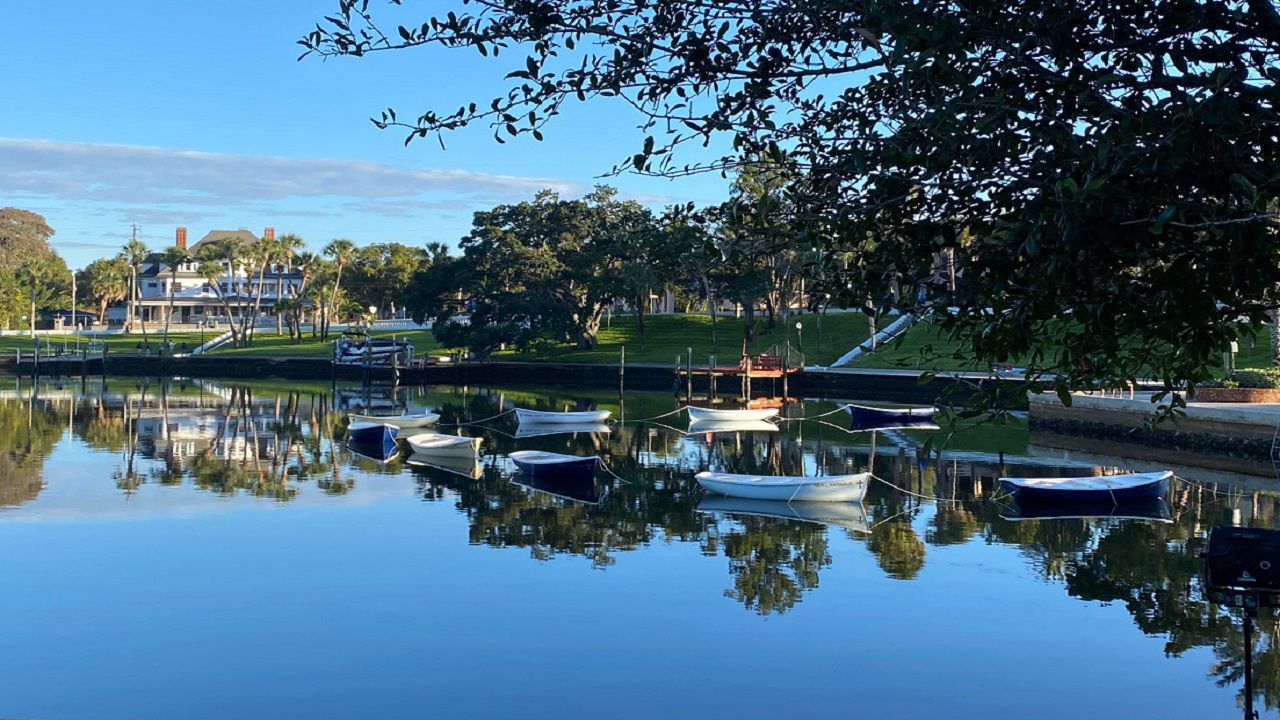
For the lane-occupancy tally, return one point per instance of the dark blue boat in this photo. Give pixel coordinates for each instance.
(1113, 489)
(862, 417)
(380, 449)
(371, 433)
(539, 465)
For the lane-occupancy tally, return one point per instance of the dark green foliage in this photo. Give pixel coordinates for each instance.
(1104, 172)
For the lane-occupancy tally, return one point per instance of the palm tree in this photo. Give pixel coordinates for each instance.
(35, 271)
(340, 250)
(105, 281)
(134, 253)
(172, 257)
(212, 269)
(287, 246)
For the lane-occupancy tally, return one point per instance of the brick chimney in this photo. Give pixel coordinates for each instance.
(268, 233)
(180, 240)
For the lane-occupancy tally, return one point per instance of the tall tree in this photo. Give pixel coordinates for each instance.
(341, 250)
(23, 234)
(1114, 161)
(172, 258)
(105, 281)
(134, 253)
(44, 277)
(287, 248)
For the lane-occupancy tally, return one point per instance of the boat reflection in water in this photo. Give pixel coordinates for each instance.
(562, 428)
(468, 467)
(1154, 509)
(566, 487)
(850, 516)
(700, 427)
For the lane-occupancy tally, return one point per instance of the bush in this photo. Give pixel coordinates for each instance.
(1264, 378)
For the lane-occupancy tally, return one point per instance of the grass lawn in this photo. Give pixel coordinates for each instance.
(115, 343)
(667, 336)
(270, 344)
(905, 352)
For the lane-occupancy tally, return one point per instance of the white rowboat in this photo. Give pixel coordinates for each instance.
(830, 488)
(697, 413)
(438, 444)
(851, 516)
(398, 421)
(537, 429)
(542, 416)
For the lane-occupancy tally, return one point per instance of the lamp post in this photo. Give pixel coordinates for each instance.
(800, 336)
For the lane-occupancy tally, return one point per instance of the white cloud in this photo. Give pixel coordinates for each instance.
(84, 172)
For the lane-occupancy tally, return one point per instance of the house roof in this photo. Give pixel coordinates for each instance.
(214, 236)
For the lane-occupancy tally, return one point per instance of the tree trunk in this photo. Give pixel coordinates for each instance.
(279, 298)
(749, 313)
(1275, 337)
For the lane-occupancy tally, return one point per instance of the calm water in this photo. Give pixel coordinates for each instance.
(208, 550)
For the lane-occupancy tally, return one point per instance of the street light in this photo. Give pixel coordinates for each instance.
(800, 336)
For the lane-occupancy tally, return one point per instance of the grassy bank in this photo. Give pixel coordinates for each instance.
(667, 336)
(271, 345)
(115, 343)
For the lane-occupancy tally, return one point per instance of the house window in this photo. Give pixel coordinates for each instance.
(151, 285)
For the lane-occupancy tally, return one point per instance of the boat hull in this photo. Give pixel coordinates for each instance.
(399, 421)
(378, 449)
(371, 433)
(437, 445)
(862, 417)
(1112, 489)
(1154, 509)
(697, 414)
(834, 488)
(568, 469)
(543, 417)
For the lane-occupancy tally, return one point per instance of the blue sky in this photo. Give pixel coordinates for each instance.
(199, 115)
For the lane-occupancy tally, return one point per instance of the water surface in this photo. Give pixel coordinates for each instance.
(201, 549)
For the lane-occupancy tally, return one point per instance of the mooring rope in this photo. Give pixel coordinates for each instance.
(605, 466)
(934, 498)
(659, 417)
(815, 417)
(477, 422)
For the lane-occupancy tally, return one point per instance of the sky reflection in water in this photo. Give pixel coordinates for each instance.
(219, 554)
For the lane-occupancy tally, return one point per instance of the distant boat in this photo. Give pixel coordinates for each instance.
(379, 449)
(703, 414)
(540, 465)
(441, 445)
(1090, 488)
(851, 516)
(580, 489)
(558, 428)
(467, 467)
(830, 488)
(372, 433)
(542, 416)
(399, 421)
(862, 417)
(697, 427)
(1154, 509)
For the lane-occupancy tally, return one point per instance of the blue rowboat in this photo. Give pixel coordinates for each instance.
(540, 465)
(371, 433)
(862, 417)
(1113, 489)
(379, 449)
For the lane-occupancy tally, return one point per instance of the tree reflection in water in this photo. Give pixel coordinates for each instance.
(240, 440)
